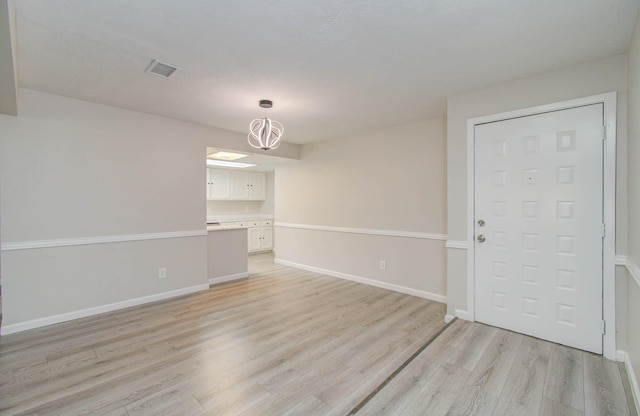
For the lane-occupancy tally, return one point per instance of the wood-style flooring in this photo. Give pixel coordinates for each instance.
(290, 342)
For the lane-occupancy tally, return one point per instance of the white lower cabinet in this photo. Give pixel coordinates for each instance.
(260, 236)
(267, 238)
(255, 239)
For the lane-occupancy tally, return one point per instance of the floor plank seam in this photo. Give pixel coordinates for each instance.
(397, 371)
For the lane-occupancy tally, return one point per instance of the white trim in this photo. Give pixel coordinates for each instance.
(389, 233)
(623, 356)
(461, 245)
(633, 269)
(390, 286)
(462, 314)
(609, 199)
(471, 170)
(458, 313)
(83, 313)
(621, 260)
(227, 278)
(63, 242)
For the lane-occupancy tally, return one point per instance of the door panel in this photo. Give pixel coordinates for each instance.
(538, 189)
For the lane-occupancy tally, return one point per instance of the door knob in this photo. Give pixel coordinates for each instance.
(481, 238)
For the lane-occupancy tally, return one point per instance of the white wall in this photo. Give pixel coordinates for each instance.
(579, 81)
(390, 179)
(633, 300)
(71, 169)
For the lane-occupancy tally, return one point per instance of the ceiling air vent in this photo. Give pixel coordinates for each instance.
(161, 69)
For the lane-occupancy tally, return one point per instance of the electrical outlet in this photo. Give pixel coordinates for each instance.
(383, 265)
(162, 273)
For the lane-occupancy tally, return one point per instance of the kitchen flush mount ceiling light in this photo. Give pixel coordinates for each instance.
(265, 133)
(226, 155)
(228, 164)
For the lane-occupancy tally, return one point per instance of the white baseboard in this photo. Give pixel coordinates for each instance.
(359, 279)
(462, 314)
(70, 316)
(459, 313)
(623, 356)
(228, 278)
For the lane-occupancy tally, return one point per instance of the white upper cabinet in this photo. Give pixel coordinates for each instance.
(218, 184)
(240, 185)
(247, 186)
(257, 181)
(225, 185)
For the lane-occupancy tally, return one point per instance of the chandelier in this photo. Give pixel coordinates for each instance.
(265, 133)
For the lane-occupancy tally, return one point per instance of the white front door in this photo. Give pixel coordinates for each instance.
(538, 225)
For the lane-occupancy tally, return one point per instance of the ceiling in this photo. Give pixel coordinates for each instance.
(332, 67)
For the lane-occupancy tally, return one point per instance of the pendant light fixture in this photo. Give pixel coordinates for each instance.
(265, 133)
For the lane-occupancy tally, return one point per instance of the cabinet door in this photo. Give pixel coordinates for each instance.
(218, 187)
(239, 185)
(209, 184)
(254, 239)
(267, 238)
(257, 186)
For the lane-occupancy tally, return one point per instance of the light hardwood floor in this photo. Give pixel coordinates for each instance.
(289, 342)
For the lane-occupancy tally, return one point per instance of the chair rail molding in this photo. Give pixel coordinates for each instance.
(367, 231)
(460, 245)
(64, 242)
(632, 267)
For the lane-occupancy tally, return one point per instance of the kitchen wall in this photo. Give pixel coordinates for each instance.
(579, 81)
(377, 195)
(94, 200)
(633, 261)
(246, 207)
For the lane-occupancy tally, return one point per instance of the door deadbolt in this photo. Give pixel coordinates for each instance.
(481, 223)
(481, 238)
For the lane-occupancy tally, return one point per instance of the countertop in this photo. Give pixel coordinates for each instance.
(225, 227)
(239, 218)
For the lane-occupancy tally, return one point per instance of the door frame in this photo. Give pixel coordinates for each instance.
(609, 204)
